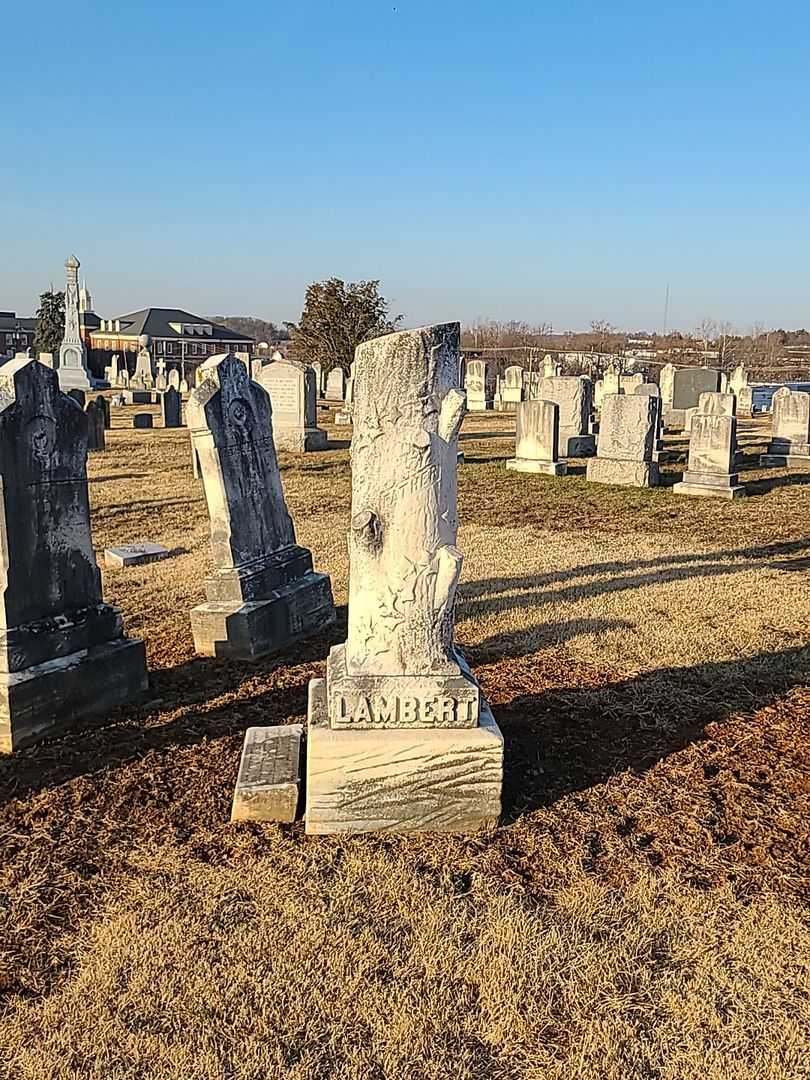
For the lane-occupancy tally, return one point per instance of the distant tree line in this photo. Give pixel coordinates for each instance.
(258, 329)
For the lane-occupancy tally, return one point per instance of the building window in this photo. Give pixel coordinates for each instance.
(168, 348)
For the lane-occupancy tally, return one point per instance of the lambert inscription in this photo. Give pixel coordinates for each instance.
(403, 711)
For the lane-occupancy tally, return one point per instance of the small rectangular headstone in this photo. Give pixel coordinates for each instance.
(268, 780)
(134, 554)
(142, 420)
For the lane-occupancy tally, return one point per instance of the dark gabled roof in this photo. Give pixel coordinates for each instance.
(156, 322)
(10, 321)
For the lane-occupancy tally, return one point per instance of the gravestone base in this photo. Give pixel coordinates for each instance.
(401, 780)
(73, 378)
(529, 465)
(475, 404)
(301, 441)
(577, 446)
(784, 461)
(343, 418)
(249, 630)
(625, 473)
(710, 485)
(268, 783)
(57, 695)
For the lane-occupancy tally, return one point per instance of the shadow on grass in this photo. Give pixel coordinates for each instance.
(566, 740)
(769, 483)
(188, 687)
(496, 595)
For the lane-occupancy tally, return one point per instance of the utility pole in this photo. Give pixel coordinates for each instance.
(666, 310)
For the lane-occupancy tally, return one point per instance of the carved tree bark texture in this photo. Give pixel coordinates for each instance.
(404, 564)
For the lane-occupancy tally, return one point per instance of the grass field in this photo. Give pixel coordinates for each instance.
(640, 912)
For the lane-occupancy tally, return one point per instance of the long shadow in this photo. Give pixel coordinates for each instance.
(117, 476)
(91, 749)
(478, 436)
(519, 642)
(768, 483)
(569, 739)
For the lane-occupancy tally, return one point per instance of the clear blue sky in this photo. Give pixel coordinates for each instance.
(537, 161)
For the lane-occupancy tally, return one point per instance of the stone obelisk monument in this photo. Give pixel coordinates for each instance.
(72, 369)
(400, 737)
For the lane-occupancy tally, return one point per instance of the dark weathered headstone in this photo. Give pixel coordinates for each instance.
(105, 405)
(264, 593)
(63, 655)
(78, 396)
(690, 383)
(96, 438)
(171, 406)
(142, 420)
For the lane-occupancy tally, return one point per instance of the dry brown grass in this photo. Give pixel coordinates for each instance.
(637, 915)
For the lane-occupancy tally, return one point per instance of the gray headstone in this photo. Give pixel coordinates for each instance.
(264, 593)
(62, 652)
(104, 404)
(96, 426)
(142, 420)
(689, 383)
(171, 405)
(78, 396)
(627, 437)
(574, 396)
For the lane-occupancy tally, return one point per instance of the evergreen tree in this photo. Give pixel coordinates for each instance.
(336, 318)
(50, 322)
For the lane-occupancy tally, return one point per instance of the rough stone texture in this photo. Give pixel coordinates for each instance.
(78, 396)
(264, 593)
(690, 383)
(398, 682)
(712, 443)
(550, 367)
(738, 380)
(72, 363)
(718, 404)
(650, 390)
(626, 442)
(134, 554)
(574, 396)
(611, 381)
(268, 782)
(143, 420)
(335, 388)
(96, 426)
(171, 407)
(479, 383)
(666, 384)
(405, 780)
(537, 439)
(790, 436)
(318, 369)
(294, 397)
(63, 655)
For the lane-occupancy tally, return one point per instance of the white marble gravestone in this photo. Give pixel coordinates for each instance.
(263, 594)
(480, 385)
(63, 655)
(712, 446)
(511, 388)
(293, 394)
(335, 385)
(627, 434)
(400, 737)
(666, 384)
(143, 375)
(72, 364)
(790, 436)
(537, 439)
(574, 395)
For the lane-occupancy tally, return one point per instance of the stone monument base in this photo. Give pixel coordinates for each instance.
(626, 473)
(674, 419)
(530, 465)
(56, 695)
(710, 485)
(71, 378)
(343, 418)
(784, 461)
(268, 782)
(577, 446)
(301, 441)
(251, 629)
(401, 780)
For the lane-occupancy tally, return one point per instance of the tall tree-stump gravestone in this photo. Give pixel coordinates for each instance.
(400, 737)
(263, 594)
(63, 656)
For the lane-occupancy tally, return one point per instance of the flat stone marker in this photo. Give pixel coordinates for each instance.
(143, 420)
(400, 737)
(268, 782)
(134, 554)
(537, 439)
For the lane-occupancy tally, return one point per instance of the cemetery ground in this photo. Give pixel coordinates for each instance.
(637, 914)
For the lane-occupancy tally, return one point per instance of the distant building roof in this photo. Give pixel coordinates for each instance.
(10, 321)
(171, 323)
